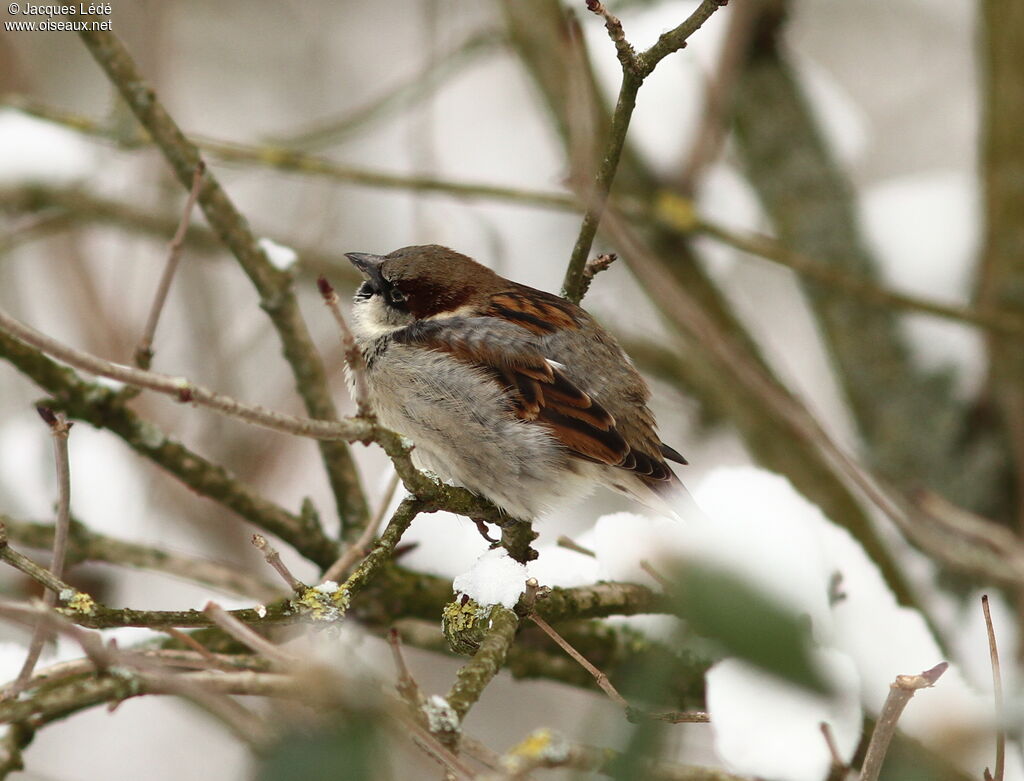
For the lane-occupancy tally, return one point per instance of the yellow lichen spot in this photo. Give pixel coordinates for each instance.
(80, 602)
(535, 744)
(540, 747)
(272, 155)
(674, 211)
(326, 602)
(464, 622)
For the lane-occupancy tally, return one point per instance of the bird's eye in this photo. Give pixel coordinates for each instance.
(396, 296)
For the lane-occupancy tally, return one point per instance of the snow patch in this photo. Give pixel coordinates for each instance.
(36, 152)
(770, 729)
(280, 256)
(495, 579)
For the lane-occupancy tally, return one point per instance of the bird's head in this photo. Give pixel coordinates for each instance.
(417, 283)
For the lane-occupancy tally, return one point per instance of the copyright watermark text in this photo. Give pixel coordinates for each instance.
(38, 17)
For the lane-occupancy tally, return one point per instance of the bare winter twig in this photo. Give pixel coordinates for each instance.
(997, 693)
(247, 636)
(900, 692)
(361, 547)
(274, 560)
(273, 285)
(635, 68)
(593, 267)
(353, 357)
(59, 428)
(144, 350)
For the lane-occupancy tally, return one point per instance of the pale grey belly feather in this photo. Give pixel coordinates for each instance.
(461, 424)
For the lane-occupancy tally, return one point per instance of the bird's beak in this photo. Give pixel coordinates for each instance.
(369, 265)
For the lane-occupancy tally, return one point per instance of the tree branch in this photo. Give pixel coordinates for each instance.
(539, 28)
(473, 677)
(287, 160)
(914, 428)
(104, 408)
(144, 349)
(59, 429)
(273, 285)
(900, 693)
(635, 68)
(1001, 271)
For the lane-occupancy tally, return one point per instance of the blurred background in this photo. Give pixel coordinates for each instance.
(407, 102)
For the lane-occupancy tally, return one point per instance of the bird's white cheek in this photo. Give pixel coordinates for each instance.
(370, 319)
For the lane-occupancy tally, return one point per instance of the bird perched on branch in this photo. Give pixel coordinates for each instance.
(513, 393)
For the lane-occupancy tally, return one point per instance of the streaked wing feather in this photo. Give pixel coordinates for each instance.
(539, 390)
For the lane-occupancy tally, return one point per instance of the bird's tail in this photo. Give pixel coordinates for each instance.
(666, 497)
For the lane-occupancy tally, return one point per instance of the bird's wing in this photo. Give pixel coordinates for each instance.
(539, 391)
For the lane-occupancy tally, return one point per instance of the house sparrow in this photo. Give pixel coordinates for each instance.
(513, 393)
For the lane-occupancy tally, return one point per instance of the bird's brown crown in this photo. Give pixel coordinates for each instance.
(431, 280)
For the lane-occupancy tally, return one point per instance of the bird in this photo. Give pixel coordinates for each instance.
(518, 395)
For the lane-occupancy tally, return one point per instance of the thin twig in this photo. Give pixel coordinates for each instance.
(430, 744)
(277, 297)
(626, 52)
(353, 355)
(246, 724)
(647, 567)
(247, 636)
(406, 685)
(382, 551)
(593, 267)
(186, 391)
(1003, 322)
(39, 574)
(839, 765)
(674, 716)
(187, 639)
(87, 545)
(274, 560)
(571, 544)
(361, 547)
(144, 350)
(599, 677)
(635, 68)
(997, 693)
(59, 429)
(33, 614)
(900, 692)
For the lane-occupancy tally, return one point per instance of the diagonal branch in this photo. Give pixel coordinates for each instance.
(104, 408)
(273, 285)
(144, 350)
(683, 310)
(59, 429)
(540, 27)
(914, 428)
(635, 68)
(436, 495)
(186, 391)
(473, 677)
(900, 693)
(282, 159)
(1001, 267)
